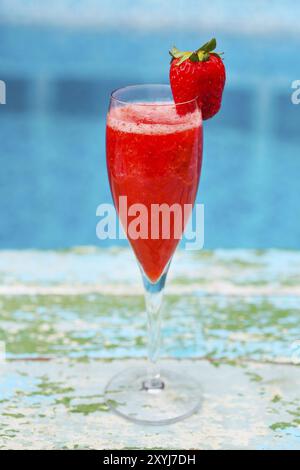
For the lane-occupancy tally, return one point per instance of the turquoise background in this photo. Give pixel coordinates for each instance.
(60, 61)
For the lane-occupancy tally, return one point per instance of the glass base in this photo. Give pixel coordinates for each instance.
(172, 398)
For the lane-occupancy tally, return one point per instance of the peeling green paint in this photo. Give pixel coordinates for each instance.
(89, 408)
(254, 377)
(276, 399)
(236, 311)
(14, 415)
(281, 426)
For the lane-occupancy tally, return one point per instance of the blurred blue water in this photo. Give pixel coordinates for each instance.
(52, 129)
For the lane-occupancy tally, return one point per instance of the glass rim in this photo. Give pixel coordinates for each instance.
(145, 85)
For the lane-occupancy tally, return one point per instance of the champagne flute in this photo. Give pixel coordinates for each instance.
(154, 158)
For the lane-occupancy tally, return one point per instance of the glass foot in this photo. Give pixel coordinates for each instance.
(175, 397)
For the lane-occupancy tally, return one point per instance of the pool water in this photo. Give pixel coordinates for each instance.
(52, 134)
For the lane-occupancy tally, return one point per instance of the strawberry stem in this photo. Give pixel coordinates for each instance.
(200, 55)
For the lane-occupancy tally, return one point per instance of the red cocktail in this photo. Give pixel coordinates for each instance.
(154, 157)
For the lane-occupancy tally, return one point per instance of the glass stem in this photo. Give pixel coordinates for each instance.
(153, 299)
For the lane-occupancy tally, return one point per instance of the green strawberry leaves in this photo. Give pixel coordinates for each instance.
(175, 53)
(208, 46)
(182, 55)
(200, 55)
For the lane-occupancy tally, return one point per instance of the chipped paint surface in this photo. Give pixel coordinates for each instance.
(60, 404)
(69, 322)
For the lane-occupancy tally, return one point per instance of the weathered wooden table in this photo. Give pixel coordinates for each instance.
(71, 319)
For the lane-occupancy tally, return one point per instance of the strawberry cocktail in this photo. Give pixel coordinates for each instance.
(154, 158)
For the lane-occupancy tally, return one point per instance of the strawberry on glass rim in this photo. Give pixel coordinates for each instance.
(199, 74)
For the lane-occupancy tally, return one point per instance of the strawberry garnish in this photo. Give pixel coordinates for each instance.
(199, 74)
